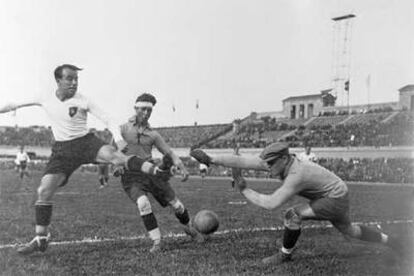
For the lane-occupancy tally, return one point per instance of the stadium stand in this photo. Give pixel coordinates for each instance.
(389, 128)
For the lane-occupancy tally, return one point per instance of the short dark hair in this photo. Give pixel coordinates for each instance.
(146, 97)
(59, 69)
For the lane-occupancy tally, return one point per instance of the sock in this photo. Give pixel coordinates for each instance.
(290, 237)
(286, 250)
(43, 215)
(155, 235)
(150, 223)
(184, 217)
(372, 235)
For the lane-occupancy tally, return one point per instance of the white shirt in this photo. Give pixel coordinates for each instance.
(307, 157)
(203, 167)
(21, 156)
(69, 118)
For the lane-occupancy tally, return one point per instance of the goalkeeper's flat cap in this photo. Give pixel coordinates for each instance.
(274, 151)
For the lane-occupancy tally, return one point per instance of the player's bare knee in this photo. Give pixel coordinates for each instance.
(119, 159)
(144, 205)
(177, 206)
(44, 193)
(109, 154)
(292, 219)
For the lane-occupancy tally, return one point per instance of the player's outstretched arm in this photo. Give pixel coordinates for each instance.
(271, 201)
(7, 107)
(266, 201)
(242, 162)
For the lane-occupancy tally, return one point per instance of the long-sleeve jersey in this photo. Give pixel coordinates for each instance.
(313, 181)
(69, 118)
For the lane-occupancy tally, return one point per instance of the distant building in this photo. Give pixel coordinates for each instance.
(406, 101)
(307, 106)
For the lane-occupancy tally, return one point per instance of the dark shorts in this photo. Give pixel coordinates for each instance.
(336, 210)
(103, 170)
(22, 165)
(67, 156)
(138, 184)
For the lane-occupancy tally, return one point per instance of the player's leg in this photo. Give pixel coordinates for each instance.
(292, 220)
(132, 185)
(336, 210)
(183, 217)
(101, 181)
(24, 169)
(65, 159)
(150, 222)
(106, 173)
(21, 169)
(26, 172)
(361, 232)
(101, 175)
(374, 235)
(108, 154)
(43, 212)
(162, 191)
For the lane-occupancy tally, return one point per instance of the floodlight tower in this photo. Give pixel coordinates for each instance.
(341, 57)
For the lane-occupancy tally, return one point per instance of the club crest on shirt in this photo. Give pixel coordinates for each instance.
(72, 111)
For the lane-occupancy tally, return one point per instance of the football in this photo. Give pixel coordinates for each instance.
(206, 222)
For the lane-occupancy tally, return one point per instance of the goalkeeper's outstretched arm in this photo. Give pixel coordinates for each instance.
(242, 162)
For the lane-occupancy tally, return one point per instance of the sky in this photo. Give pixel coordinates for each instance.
(233, 57)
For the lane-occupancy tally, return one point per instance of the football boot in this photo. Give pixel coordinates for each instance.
(39, 243)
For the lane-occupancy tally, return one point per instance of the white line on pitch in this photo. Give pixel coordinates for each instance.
(222, 232)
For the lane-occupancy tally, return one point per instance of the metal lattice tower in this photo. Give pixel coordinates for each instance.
(341, 57)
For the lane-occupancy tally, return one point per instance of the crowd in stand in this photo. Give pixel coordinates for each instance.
(359, 131)
(33, 136)
(362, 130)
(254, 134)
(345, 112)
(368, 130)
(187, 136)
(397, 132)
(387, 170)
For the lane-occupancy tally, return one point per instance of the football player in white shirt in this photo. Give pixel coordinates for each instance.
(73, 146)
(22, 158)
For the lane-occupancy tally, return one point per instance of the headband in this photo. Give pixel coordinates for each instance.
(144, 104)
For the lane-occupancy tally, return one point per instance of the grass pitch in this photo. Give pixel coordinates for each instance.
(98, 232)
